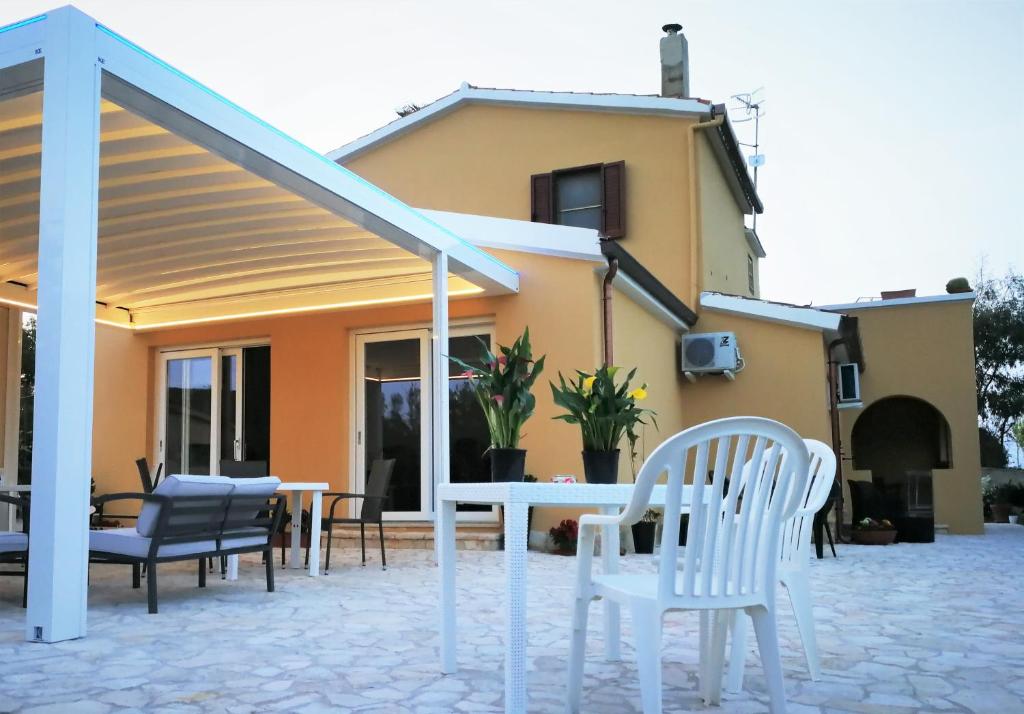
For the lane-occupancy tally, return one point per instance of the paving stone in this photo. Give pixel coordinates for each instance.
(902, 628)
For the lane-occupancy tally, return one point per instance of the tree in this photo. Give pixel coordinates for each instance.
(993, 451)
(28, 399)
(999, 352)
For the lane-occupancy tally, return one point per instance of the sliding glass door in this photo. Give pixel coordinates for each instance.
(213, 405)
(393, 411)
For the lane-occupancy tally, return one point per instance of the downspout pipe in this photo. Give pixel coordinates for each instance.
(833, 413)
(606, 309)
(696, 237)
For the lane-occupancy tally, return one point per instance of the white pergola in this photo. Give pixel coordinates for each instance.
(132, 195)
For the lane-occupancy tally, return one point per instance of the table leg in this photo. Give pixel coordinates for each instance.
(610, 564)
(294, 559)
(515, 606)
(315, 517)
(232, 573)
(446, 567)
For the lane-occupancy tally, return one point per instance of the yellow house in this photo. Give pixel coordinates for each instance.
(668, 193)
(243, 320)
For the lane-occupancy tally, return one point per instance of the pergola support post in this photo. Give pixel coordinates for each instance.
(65, 346)
(439, 380)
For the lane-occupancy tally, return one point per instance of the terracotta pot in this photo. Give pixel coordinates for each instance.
(874, 537)
(1001, 512)
(285, 539)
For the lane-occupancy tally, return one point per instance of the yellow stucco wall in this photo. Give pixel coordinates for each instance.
(926, 350)
(479, 159)
(311, 380)
(724, 246)
(784, 377)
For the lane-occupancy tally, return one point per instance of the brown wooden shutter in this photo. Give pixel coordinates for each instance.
(542, 198)
(613, 200)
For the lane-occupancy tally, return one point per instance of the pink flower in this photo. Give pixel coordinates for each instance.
(503, 360)
(468, 373)
(498, 399)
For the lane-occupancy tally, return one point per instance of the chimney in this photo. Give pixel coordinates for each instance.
(897, 294)
(675, 63)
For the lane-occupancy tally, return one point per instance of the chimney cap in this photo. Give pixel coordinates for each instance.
(672, 28)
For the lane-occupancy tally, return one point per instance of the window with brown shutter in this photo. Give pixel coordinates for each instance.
(584, 196)
(613, 209)
(541, 198)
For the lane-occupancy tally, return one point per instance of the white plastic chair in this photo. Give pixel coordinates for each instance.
(794, 565)
(731, 555)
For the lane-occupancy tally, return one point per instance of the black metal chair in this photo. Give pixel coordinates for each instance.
(14, 544)
(244, 469)
(371, 512)
(820, 522)
(148, 482)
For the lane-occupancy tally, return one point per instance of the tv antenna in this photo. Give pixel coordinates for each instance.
(753, 109)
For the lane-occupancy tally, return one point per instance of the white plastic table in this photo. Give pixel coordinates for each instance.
(517, 499)
(297, 489)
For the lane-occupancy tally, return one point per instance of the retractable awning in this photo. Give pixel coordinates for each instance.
(132, 195)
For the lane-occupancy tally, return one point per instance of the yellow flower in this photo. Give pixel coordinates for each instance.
(639, 394)
(588, 383)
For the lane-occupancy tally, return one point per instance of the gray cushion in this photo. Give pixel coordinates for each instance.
(13, 542)
(181, 485)
(126, 541)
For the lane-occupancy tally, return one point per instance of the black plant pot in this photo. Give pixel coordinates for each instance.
(601, 466)
(684, 523)
(508, 464)
(643, 536)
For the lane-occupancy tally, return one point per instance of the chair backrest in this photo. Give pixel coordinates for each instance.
(733, 539)
(866, 500)
(214, 488)
(244, 469)
(147, 480)
(821, 475)
(376, 489)
(249, 500)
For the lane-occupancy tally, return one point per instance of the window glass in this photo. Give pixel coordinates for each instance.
(578, 199)
(848, 382)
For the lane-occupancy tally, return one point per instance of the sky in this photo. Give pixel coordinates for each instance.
(892, 132)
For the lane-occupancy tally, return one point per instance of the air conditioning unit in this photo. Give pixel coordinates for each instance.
(711, 353)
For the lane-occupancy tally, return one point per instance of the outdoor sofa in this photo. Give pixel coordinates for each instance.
(192, 518)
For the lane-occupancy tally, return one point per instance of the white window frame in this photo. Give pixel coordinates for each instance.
(842, 398)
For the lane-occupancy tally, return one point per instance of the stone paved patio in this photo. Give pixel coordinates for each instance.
(904, 628)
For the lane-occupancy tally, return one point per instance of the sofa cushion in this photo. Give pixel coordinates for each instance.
(13, 542)
(181, 485)
(126, 541)
(262, 487)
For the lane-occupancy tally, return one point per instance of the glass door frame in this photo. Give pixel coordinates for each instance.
(359, 338)
(215, 352)
(426, 401)
(163, 358)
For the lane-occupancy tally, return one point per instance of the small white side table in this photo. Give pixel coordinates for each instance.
(297, 489)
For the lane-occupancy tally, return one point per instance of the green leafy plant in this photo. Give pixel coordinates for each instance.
(651, 516)
(870, 524)
(1010, 492)
(502, 385)
(604, 411)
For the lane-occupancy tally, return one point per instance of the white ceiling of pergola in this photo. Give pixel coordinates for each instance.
(185, 234)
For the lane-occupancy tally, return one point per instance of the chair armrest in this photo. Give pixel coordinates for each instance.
(148, 497)
(14, 500)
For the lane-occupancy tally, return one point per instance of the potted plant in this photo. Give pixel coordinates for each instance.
(564, 536)
(502, 388)
(644, 530)
(1001, 498)
(871, 532)
(605, 412)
